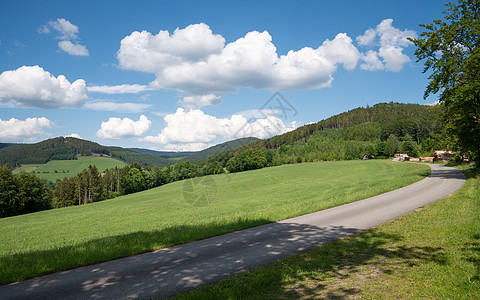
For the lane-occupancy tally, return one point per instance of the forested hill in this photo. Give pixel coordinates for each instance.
(69, 148)
(164, 154)
(370, 123)
(350, 135)
(230, 145)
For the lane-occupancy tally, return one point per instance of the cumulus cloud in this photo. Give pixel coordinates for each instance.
(197, 63)
(142, 51)
(23, 130)
(116, 128)
(194, 126)
(32, 86)
(372, 61)
(119, 89)
(203, 68)
(64, 29)
(391, 40)
(118, 107)
(73, 49)
(66, 32)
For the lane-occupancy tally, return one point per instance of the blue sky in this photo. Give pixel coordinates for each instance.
(181, 75)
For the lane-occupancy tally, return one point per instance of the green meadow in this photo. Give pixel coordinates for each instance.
(59, 239)
(58, 169)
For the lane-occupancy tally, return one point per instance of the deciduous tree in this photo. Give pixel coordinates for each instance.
(450, 50)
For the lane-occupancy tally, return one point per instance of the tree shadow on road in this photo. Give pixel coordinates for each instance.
(28, 264)
(311, 274)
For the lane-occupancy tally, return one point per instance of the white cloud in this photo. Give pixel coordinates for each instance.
(34, 87)
(74, 135)
(393, 57)
(64, 28)
(19, 130)
(118, 107)
(66, 32)
(392, 41)
(119, 89)
(367, 38)
(198, 64)
(73, 49)
(372, 62)
(142, 51)
(116, 128)
(194, 126)
(200, 101)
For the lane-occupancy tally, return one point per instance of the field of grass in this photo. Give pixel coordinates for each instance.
(58, 169)
(183, 211)
(432, 253)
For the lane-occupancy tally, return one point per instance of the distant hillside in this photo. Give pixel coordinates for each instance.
(352, 134)
(230, 145)
(5, 145)
(69, 148)
(164, 154)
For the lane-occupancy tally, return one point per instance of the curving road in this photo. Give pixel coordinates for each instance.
(166, 272)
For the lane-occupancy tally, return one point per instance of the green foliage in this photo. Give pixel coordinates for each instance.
(247, 160)
(21, 194)
(409, 147)
(392, 145)
(450, 52)
(213, 168)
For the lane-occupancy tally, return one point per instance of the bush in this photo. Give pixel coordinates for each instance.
(247, 160)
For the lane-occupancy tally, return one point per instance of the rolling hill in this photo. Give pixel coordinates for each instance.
(379, 130)
(69, 148)
(230, 145)
(164, 154)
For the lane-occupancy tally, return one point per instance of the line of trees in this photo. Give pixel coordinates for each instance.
(91, 186)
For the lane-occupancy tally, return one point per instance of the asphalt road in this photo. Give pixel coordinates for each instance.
(166, 272)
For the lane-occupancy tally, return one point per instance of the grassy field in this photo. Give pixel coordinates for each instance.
(58, 169)
(183, 211)
(432, 253)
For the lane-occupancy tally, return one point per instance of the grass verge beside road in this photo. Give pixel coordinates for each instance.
(59, 239)
(431, 253)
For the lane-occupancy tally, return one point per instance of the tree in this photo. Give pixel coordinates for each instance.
(392, 145)
(409, 146)
(10, 204)
(247, 160)
(21, 194)
(450, 51)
